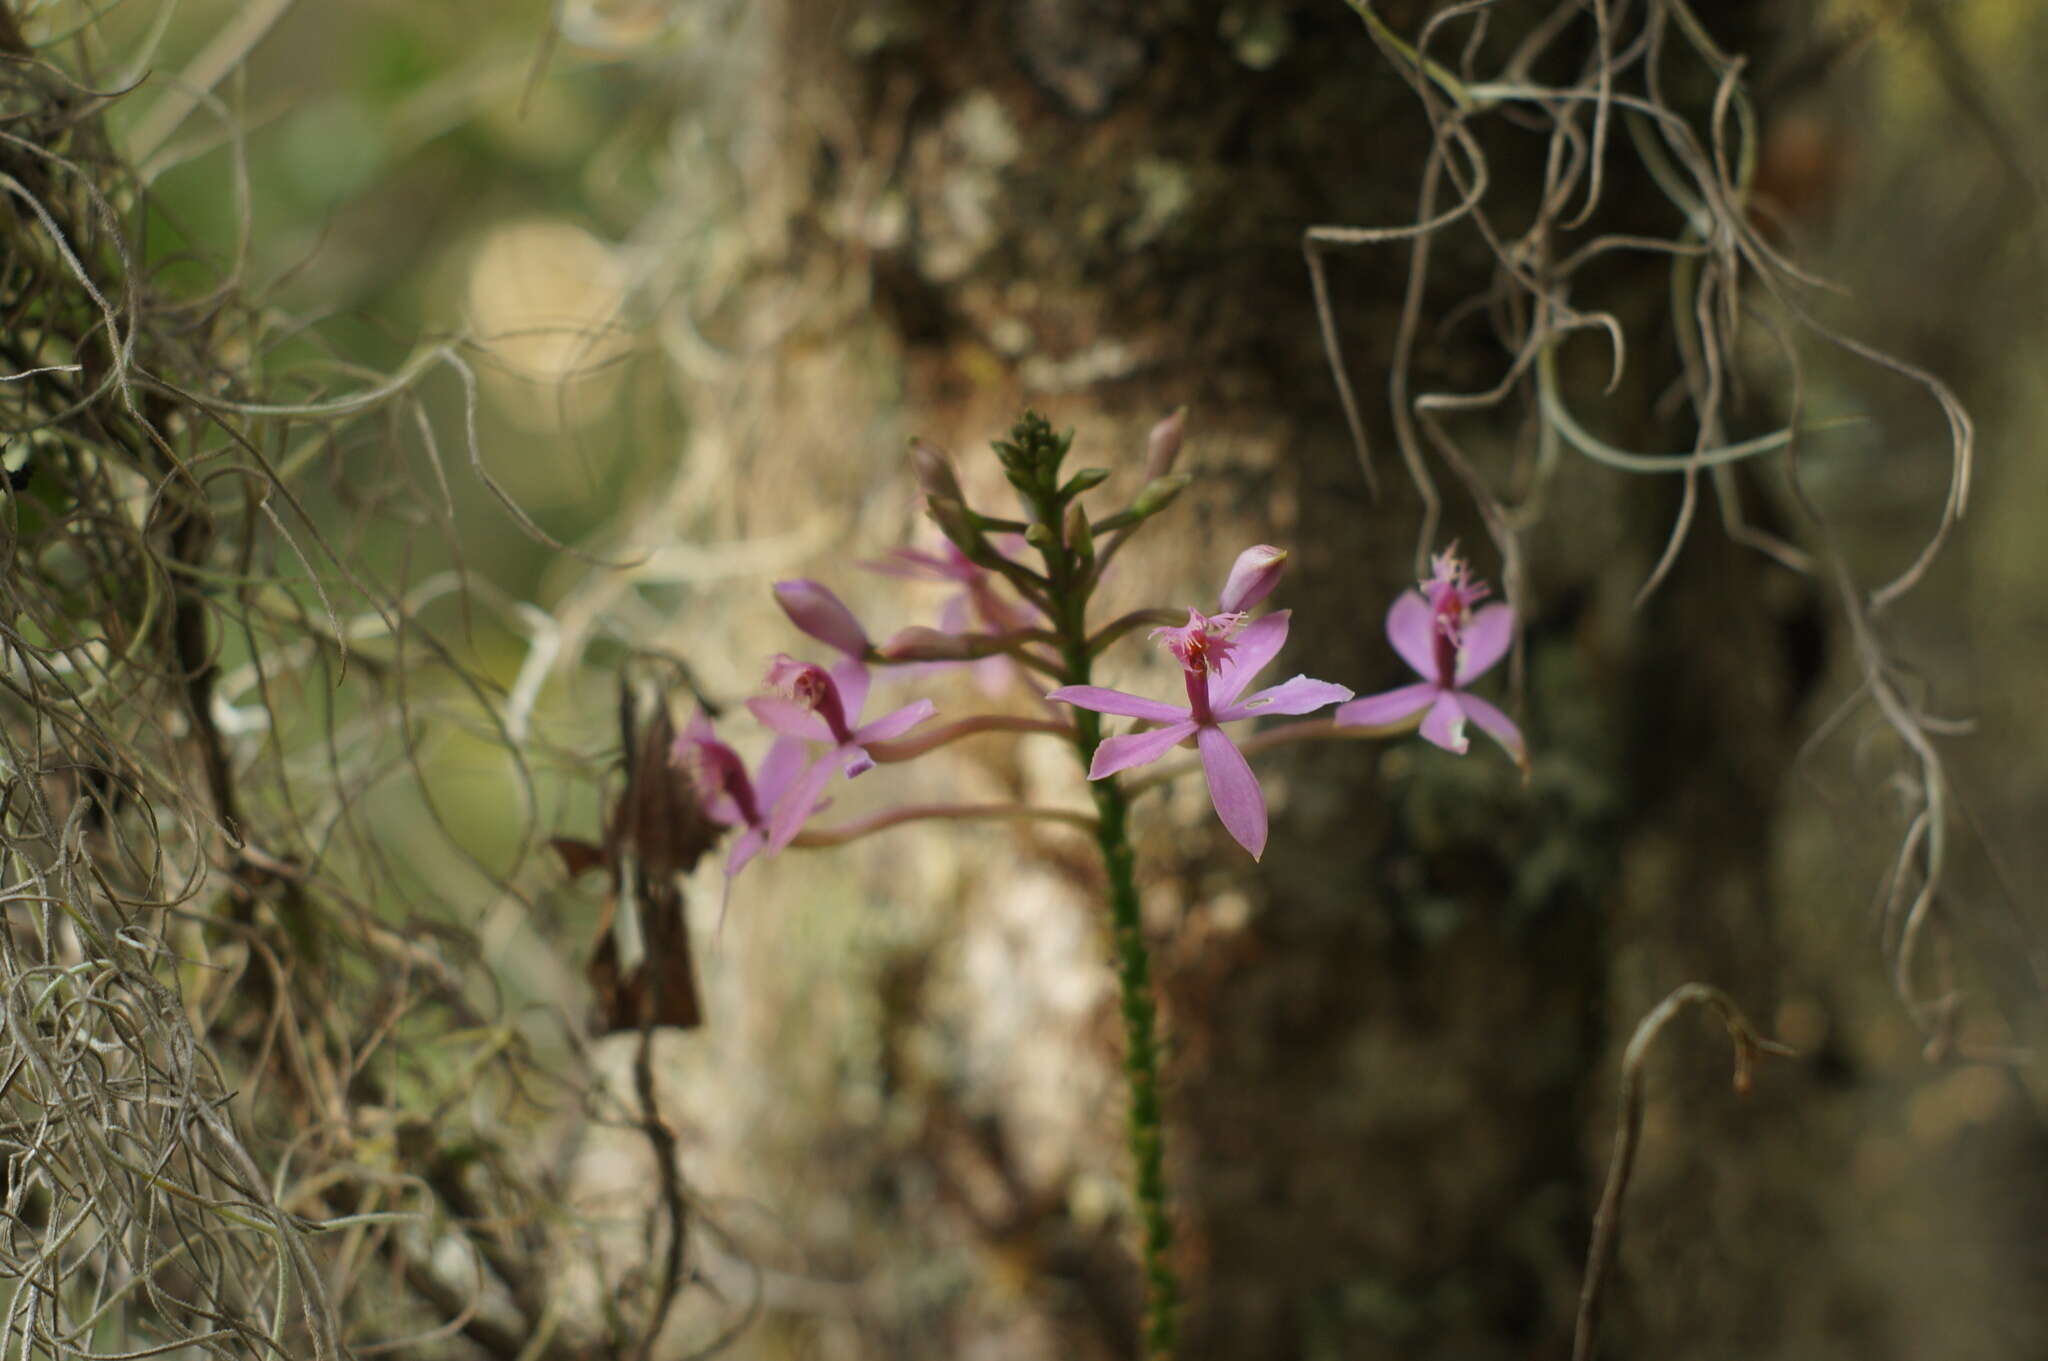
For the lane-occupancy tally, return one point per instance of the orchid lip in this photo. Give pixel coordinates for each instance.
(720, 770)
(739, 788)
(1202, 644)
(813, 687)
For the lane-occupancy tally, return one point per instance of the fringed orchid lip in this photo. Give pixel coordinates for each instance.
(1202, 644)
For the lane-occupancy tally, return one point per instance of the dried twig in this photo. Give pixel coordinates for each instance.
(1629, 1129)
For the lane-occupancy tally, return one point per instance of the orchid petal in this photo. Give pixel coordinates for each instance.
(1250, 652)
(1138, 748)
(993, 674)
(1298, 696)
(749, 844)
(1411, 628)
(779, 770)
(802, 799)
(850, 675)
(745, 847)
(1234, 790)
(1484, 641)
(1496, 725)
(1444, 724)
(896, 723)
(789, 718)
(1389, 707)
(813, 608)
(1106, 701)
(954, 616)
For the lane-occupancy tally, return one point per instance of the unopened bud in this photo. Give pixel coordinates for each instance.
(1252, 578)
(934, 472)
(951, 516)
(1162, 446)
(1086, 480)
(1158, 494)
(816, 611)
(1039, 536)
(1080, 539)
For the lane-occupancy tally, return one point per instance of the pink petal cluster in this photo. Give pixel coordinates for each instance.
(820, 706)
(1217, 663)
(814, 706)
(1450, 644)
(1441, 629)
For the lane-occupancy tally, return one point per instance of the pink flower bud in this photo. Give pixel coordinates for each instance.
(1252, 578)
(934, 471)
(822, 615)
(1162, 445)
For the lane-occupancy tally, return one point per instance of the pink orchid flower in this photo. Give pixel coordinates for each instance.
(730, 798)
(1449, 644)
(978, 607)
(1216, 668)
(817, 705)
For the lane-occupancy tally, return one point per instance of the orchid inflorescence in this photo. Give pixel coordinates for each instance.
(1021, 623)
(1007, 621)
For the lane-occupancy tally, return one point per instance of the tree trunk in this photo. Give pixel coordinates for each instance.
(1391, 1046)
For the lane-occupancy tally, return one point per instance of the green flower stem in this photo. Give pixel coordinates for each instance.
(1059, 528)
(1141, 1041)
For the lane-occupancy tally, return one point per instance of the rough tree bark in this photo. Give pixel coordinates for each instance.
(1392, 1045)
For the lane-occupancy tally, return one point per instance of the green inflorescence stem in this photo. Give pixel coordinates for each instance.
(1058, 527)
(1141, 1040)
